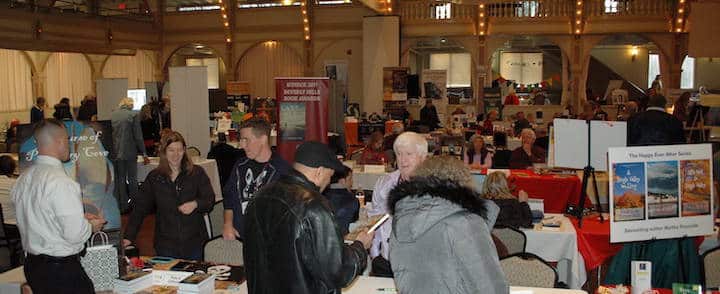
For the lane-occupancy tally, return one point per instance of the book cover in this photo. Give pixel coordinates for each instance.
(628, 191)
(686, 289)
(196, 279)
(696, 185)
(663, 189)
(292, 116)
(131, 276)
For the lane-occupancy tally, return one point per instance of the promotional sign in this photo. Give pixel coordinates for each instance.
(302, 112)
(89, 165)
(660, 192)
(395, 82)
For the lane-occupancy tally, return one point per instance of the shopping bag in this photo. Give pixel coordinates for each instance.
(101, 262)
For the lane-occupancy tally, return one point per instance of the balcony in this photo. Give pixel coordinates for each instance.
(428, 18)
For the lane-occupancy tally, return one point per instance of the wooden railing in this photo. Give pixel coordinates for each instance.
(629, 7)
(436, 11)
(530, 8)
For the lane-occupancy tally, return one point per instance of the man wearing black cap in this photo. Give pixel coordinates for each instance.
(292, 243)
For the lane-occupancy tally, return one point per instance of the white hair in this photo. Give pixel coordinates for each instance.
(409, 140)
(527, 132)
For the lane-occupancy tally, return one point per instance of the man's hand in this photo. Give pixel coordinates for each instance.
(126, 242)
(365, 238)
(97, 223)
(188, 207)
(146, 160)
(230, 233)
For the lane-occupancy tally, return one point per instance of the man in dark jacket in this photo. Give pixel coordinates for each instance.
(429, 116)
(259, 167)
(37, 113)
(655, 126)
(292, 244)
(342, 200)
(127, 144)
(225, 155)
(88, 109)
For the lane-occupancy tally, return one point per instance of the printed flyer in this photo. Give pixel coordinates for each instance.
(660, 192)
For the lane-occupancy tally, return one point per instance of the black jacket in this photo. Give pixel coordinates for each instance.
(513, 213)
(87, 109)
(292, 244)
(345, 207)
(174, 232)
(429, 117)
(654, 127)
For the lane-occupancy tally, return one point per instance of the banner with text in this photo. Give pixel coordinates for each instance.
(660, 192)
(302, 112)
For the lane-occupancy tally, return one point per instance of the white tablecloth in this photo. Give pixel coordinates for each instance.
(374, 285)
(209, 165)
(560, 247)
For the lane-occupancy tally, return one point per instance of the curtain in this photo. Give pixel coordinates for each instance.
(67, 75)
(15, 81)
(264, 62)
(137, 69)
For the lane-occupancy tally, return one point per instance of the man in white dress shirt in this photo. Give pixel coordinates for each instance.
(411, 149)
(50, 217)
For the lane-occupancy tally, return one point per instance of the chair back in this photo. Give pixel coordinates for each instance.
(528, 270)
(193, 151)
(217, 219)
(513, 239)
(219, 250)
(711, 268)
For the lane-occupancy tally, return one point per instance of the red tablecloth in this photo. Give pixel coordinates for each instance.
(556, 190)
(594, 241)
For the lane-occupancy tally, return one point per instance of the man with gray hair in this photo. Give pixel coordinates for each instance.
(411, 149)
(127, 143)
(50, 217)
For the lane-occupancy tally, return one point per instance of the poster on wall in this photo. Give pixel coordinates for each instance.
(238, 92)
(660, 192)
(89, 165)
(302, 114)
(395, 81)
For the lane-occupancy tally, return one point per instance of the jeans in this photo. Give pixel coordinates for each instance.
(126, 185)
(48, 276)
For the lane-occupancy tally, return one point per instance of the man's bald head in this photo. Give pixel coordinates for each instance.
(52, 139)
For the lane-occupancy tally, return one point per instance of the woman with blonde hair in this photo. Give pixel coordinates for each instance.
(514, 212)
(433, 213)
(180, 193)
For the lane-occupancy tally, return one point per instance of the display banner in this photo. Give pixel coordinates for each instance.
(302, 112)
(89, 165)
(660, 192)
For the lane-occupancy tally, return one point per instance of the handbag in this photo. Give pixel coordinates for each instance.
(101, 262)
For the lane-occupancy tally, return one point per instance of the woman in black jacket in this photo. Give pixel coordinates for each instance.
(180, 193)
(514, 212)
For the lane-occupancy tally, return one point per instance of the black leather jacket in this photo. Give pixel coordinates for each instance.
(292, 243)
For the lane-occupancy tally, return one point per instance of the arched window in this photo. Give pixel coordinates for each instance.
(67, 75)
(137, 69)
(15, 81)
(266, 61)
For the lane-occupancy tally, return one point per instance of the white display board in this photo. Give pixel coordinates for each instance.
(139, 98)
(189, 105)
(109, 93)
(660, 192)
(570, 142)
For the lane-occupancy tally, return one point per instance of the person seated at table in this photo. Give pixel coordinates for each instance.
(225, 155)
(521, 123)
(477, 156)
(514, 211)
(526, 155)
(501, 156)
(487, 127)
(373, 153)
(342, 200)
(431, 247)
(179, 193)
(7, 181)
(511, 98)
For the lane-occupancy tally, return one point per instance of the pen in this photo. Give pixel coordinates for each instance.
(389, 290)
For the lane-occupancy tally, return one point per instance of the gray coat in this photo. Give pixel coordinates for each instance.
(127, 134)
(440, 240)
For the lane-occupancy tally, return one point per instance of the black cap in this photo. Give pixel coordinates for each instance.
(316, 154)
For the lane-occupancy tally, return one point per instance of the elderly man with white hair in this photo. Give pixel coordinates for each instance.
(127, 143)
(411, 149)
(524, 156)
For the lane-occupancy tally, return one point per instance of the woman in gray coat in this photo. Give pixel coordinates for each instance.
(441, 241)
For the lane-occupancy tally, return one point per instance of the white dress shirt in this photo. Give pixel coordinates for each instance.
(8, 207)
(384, 184)
(49, 210)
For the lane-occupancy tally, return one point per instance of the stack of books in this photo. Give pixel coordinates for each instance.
(197, 284)
(133, 282)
